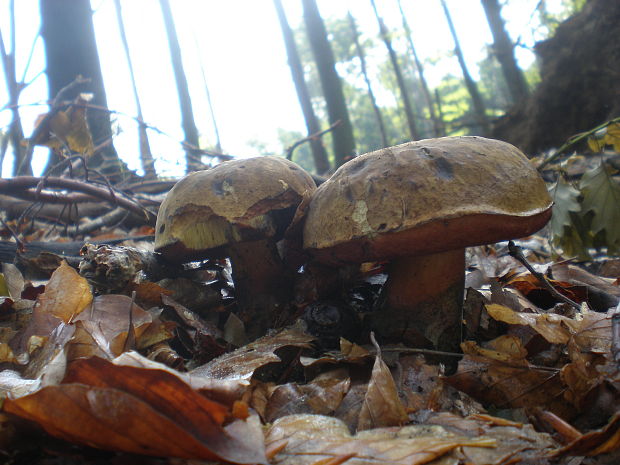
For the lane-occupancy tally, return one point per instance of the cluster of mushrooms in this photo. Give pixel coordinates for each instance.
(415, 207)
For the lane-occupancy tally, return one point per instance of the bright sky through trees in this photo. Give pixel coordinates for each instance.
(241, 48)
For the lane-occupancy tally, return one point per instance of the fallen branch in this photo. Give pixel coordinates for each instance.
(31, 188)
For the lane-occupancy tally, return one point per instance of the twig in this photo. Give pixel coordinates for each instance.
(291, 149)
(573, 140)
(516, 252)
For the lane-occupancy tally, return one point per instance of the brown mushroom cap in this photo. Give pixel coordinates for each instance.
(237, 201)
(425, 197)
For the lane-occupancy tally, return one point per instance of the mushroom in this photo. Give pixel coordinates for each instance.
(418, 206)
(240, 210)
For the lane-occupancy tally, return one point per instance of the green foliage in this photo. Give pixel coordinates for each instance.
(586, 214)
(601, 196)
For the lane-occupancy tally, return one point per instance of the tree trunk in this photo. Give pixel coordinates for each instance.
(342, 135)
(319, 154)
(218, 141)
(437, 124)
(191, 143)
(371, 94)
(146, 157)
(404, 93)
(472, 88)
(21, 166)
(504, 51)
(71, 50)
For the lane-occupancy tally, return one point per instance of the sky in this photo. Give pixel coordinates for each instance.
(239, 44)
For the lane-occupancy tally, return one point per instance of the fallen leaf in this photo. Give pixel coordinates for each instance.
(141, 411)
(310, 439)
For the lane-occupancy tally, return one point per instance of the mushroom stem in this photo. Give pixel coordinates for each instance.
(263, 287)
(424, 298)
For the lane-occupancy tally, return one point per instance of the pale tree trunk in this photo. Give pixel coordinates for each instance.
(437, 124)
(21, 166)
(191, 143)
(404, 93)
(71, 50)
(319, 154)
(342, 135)
(504, 51)
(472, 88)
(371, 94)
(218, 141)
(146, 157)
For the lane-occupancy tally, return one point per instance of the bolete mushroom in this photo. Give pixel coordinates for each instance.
(239, 209)
(418, 205)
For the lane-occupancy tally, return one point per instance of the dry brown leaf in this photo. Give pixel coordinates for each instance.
(66, 127)
(321, 396)
(382, 406)
(241, 363)
(314, 438)
(66, 294)
(548, 325)
(500, 375)
(516, 442)
(141, 411)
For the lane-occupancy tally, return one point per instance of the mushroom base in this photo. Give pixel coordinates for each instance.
(424, 298)
(263, 286)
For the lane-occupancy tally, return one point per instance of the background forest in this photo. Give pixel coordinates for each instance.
(415, 90)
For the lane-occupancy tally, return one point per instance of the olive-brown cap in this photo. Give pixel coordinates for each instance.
(236, 201)
(424, 197)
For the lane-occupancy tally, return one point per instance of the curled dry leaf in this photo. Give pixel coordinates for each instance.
(141, 411)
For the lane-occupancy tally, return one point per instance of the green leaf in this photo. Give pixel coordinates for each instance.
(565, 200)
(601, 196)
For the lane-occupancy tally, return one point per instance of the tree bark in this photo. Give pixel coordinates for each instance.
(319, 154)
(504, 51)
(71, 50)
(146, 157)
(404, 93)
(342, 135)
(191, 143)
(371, 94)
(472, 88)
(438, 127)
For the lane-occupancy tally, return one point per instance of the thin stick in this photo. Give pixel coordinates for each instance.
(516, 252)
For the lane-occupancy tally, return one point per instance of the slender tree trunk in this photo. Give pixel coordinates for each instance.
(218, 141)
(404, 93)
(191, 143)
(504, 51)
(16, 132)
(472, 88)
(71, 50)
(146, 157)
(342, 135)
(437, 125)
(319, 154)
(371, 94)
